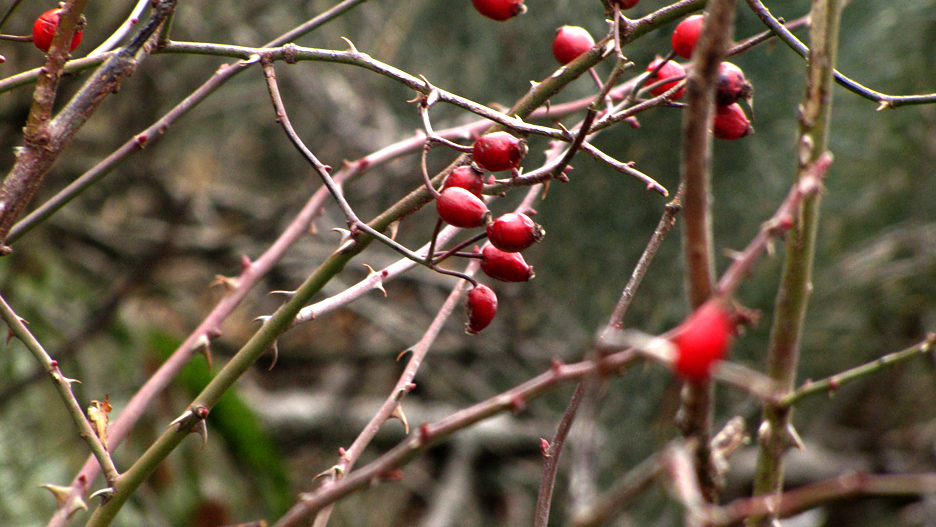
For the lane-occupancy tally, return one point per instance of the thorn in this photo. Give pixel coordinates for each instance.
(287, 294)
(517, 404)
(351, 48)
(544, 448)
(179, 421)
(245, 262)
(202, 345)
(228, 283)
(884, 105)
(201, 428)
(77, 504)
(335, 470)
(398, 414)
(404, 352)
(61, 493)
(393, 228)
(105, 494)
(556, 366)
(10, 336)
(262, 319)
(274, 349)
(379, 284)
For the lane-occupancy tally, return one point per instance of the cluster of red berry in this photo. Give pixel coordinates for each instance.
(730, 121)
(44, 29)
(459, 204)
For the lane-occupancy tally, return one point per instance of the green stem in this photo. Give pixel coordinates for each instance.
(796, 282)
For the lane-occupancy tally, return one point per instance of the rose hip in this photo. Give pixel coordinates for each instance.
(514, 232)
(505, 266)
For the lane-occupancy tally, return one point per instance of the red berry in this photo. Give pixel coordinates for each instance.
(669, 70)
(570, 42)
(504, 266)
(514, 232)
(482, 306)
(44, 29)
(498, 151)
(702, 340)
(466, 177)
(625, 4)
(499, 10)
(731, 85)
(460, 208)
(730, 122)
(686, 35)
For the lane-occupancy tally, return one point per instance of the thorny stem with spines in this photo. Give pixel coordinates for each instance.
(796, 281)
(63, 385)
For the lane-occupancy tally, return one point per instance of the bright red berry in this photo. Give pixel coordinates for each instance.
(731, 85)
(702, 340)
(44, 29)
(466, 177)
(499, 10)
(669, 70)
(514, 232)
(460, 208)
(570, 42)
(482, 306)
(686, 35)
(730, 122)
(504, 266)
(498, 151)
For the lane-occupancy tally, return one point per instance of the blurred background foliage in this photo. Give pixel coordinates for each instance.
(115, 281)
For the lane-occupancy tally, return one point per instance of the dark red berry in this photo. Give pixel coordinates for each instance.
(498, 151)
(570, 42)
(730, 122)
(669, 70)
(625, 4)
(467, 178)
(482, 306)
(702, 340)
(504, 266)
(499, 10)
(731, 85)
(460, 208)
(514, 232)
(686, 35)
(44, 29)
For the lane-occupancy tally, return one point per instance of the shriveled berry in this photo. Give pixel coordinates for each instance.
(570, 42)
(498, 151)
(667, 71)
(504, 266)
(731, 85)
(44, 29)
(514, 232)
(730, 122)
(499, 10)
(702, 340)
(460, 208)
(482, 306)
(466, 177)
(686, 35)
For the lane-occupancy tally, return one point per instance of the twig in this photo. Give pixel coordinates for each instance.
(698, 244)
(886, 101)
(834, 382)
(796, 280)
(666, 223)
(63, 385)
(551, 452)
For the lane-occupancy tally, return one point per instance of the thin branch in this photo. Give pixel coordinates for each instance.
(63, 386)
(834, 382)
(551, 452)
(796, 281)
(698, 243)
(886, 101)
